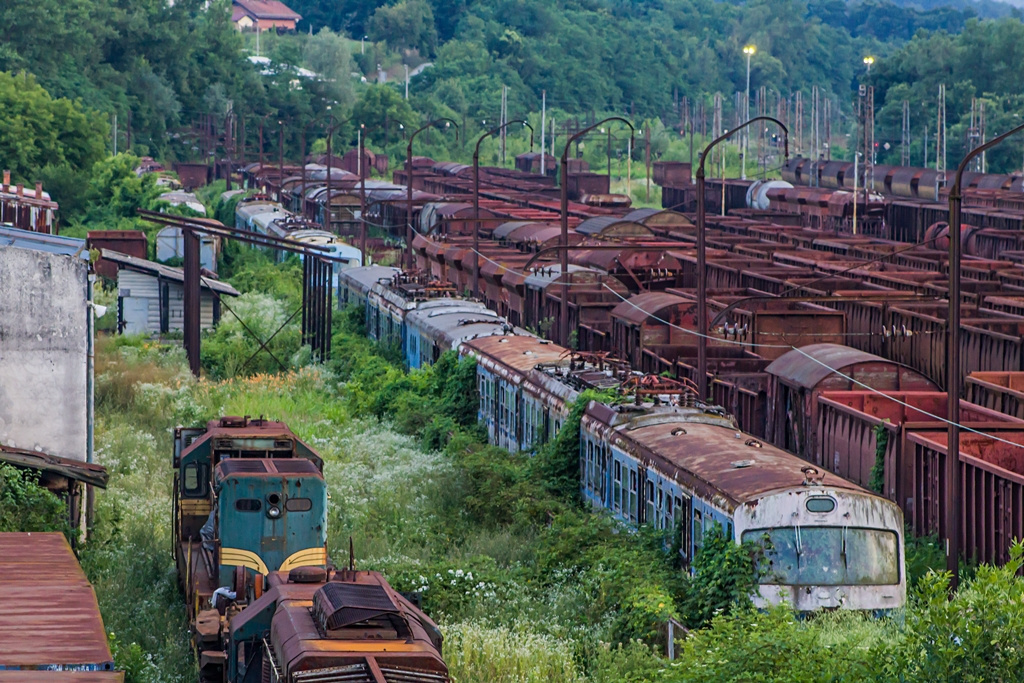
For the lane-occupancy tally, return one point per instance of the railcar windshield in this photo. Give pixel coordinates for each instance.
(828, 556)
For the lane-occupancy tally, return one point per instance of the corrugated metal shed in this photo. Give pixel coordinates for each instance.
(50, 617)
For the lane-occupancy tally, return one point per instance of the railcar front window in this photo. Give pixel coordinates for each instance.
(828, 556)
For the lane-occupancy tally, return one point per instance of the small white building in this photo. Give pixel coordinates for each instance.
(151, 296)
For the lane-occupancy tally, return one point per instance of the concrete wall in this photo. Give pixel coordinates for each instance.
(43, 347)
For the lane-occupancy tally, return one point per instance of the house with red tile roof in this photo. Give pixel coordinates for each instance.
(260, 15)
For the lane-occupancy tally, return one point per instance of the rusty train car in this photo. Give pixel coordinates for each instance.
(636, 461)
(51, 627)
(264, 600)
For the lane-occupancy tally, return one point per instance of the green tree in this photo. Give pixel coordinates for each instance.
(381, 106)
(37, 129)
(407, 25)
(327, 54)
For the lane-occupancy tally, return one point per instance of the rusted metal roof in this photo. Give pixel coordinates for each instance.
(599, 224)
(504, 229)
(639, 308)
(89, 473)
(50, 617)
(717, 461)
(21, 676)
(795, 368)
(519, 353)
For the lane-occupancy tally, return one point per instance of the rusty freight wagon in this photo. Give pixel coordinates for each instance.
(799, 376)
(1000, 391)
(848, 433)
(51, 620)
(992, 487)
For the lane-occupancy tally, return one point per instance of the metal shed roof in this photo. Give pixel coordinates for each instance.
(639, 308)
(50, 615)
(794, 367)
(160, 270)
(53, 244)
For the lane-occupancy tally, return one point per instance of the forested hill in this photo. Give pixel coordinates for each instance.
(161, 66)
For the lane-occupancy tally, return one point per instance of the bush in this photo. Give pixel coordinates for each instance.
(27, 506)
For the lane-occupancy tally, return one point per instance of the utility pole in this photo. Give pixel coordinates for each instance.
(940, 131)
(647, 157)
(749, 51)
(815, 143)
(115, 134)
(543, 119)
(406, 80)
(905, 136)
(827, 141)
(798, 115)
(504, 120)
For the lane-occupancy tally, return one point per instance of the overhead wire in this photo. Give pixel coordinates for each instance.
(828, 367)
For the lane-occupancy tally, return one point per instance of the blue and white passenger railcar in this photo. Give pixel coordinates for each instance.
(354, 284)
(828, 544)
(521, 405)
(439, 325)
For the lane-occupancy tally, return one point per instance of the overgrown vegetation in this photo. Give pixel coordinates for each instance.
(527, 584)
(27, 506)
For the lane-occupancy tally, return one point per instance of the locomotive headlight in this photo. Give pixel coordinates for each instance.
(273, 512)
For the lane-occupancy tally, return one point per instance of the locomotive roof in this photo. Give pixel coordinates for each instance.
(300, 643)
(241, 428)
(702, 452)
(265, 467)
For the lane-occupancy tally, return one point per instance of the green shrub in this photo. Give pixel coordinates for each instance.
(27, 506)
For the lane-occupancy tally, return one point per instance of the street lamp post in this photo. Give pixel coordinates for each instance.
(562, 180)
(280, 160)
(476, 198)
(363, 172)
(749, 51)
(302, 199)
(869, 60)
(408, 166)
(362, 45)
(954, 379)
(702, 285)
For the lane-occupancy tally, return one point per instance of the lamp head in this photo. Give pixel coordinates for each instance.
(749, 50)
(869, 60)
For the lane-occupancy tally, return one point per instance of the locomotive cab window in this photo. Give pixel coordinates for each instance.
(194, 480)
